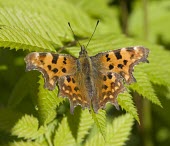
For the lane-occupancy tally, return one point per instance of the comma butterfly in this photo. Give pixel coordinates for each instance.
(88, 80)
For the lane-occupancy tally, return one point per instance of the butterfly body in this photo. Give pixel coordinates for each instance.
(88, 80)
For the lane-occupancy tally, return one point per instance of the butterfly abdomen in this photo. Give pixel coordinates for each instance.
(86, 71)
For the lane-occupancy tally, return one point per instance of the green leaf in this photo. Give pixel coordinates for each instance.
(50, 131)
(95, 138)
(126, 102)
(105, 15)
(24, 143)
(74, 118)
(14, 37)
(28, 128)
(119, 131)
(47, 21)
(116, 133)
(100, 121)
(86, 123)
(144, 87)
(47, 103)
(63, 135)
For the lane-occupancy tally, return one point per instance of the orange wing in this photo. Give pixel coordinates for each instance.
(121, 61)
(51, 65)
(71, 86)
(108, 86)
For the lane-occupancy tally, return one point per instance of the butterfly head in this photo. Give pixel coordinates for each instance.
(83, 51)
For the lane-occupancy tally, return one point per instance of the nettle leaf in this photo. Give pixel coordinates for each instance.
(50, 131)
(47, 103)
(37, 23)
(14, 37)
(74, 118)
(24, 143)
(144, 87)
(116, 133)
(100, 121)
(159, 66)
(119, 131)
(126, 102)
(30, 21)
(80, 123)
(63, 136)
(86, 123)
(27, 127)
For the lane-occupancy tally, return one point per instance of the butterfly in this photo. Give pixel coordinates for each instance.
(88, 80)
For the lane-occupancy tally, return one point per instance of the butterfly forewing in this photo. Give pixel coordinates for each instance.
(121, 61)
(51, 65)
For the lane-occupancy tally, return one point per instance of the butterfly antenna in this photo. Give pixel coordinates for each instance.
(93, 33)
(73, 33)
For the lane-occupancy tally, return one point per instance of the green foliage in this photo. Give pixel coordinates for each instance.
(158, 23)
(47, 103)
(31, 115)
(126, 102)
(117, 132)
(100, 121)
(148, 91)
(27, 128)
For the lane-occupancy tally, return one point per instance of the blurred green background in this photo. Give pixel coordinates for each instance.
(144, 20)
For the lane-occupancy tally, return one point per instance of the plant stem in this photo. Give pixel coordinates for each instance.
(124, 16)
(146, 120)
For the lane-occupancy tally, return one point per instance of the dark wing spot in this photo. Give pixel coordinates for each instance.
(55, 70)
(107, 56)
(132, 56)
(109, 76)
(64, 62)
(104, 78)
(120, 66)
(118, 55)
(55, 58)
(73, 80)
(68, 78)
(125, 62)
(65, 58)
(105, 87)
(42, 62)
(108, 59)
(113, 84)
(76, 89)
(111, 66)
(63, 70)
(49, 67)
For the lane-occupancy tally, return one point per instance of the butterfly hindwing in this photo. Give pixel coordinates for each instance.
(111, 85)
(51, 65)
(70, 86)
